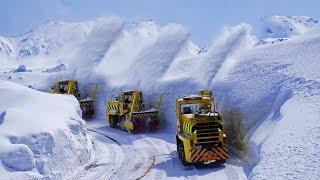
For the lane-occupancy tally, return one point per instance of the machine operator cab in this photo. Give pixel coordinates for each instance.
(200, 134)
(127, 99)
(65, 87)
(194, 109)
(194, 105)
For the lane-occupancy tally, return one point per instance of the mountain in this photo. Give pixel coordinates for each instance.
(280, 28)
(56, 37)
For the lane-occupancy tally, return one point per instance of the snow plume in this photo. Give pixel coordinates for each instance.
(134, 38)
(152, 63)
(147, 65)
(92, 50)
(221, 55)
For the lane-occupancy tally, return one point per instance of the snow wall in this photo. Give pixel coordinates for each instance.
(41, 135)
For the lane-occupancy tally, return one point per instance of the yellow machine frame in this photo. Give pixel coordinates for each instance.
(71, 87)
(128, 107)
(65, 87)
(200, 135)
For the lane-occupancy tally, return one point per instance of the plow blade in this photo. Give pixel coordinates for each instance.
(143, 114)
(88, 108)
(145, 121)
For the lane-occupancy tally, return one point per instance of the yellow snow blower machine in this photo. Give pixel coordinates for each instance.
(127, 113)
(200, 136)
(71, 87)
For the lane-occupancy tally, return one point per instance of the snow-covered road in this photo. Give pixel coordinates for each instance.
(120, 155)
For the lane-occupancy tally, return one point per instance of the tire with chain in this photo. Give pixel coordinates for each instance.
(113, 121)
(181, 153)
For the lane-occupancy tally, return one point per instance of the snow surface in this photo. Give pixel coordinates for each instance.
(266, 89)
(41, 135)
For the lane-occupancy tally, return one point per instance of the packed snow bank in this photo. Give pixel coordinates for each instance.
(41, 135)
(270, 100)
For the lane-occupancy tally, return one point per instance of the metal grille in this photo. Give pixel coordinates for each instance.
(207, 133)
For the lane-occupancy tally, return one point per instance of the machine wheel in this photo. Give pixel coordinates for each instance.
(113, 121)
(139, 125)
(155, 122)
(220, 162)
(181, 153)
(88, 111)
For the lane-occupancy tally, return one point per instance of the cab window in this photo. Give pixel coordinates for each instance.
(190, 108)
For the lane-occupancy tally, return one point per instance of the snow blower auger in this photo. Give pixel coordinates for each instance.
(200, 134)
(126, 113)
(70, 87)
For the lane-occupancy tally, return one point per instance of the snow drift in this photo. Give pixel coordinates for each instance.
(41, 135)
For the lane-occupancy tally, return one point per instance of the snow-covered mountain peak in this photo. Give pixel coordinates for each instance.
(52, 36)
(6, 47)
(287, 26)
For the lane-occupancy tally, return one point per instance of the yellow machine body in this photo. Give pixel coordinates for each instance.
(65, 87)
(126, 112)
(200, 135)
(70, 87)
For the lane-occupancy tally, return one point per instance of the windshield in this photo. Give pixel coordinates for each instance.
(194, 109)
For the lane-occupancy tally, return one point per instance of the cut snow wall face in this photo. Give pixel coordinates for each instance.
(45, 152)
(267, 95)
(39, 131)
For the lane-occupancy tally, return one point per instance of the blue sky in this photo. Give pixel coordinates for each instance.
(203, 18)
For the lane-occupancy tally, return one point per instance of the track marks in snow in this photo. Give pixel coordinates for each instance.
(152, 159)
(150, 156)
(109, 157)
